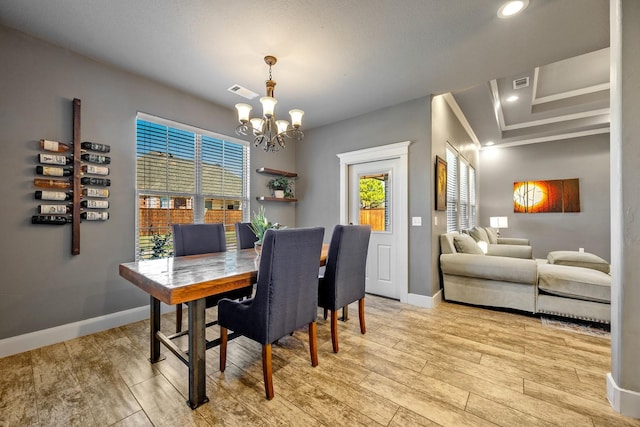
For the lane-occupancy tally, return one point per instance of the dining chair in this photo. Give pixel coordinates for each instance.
(344, 274)
(244, 235)
(286, 296)
(195, 239)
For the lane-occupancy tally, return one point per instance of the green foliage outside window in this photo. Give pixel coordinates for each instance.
(371, 193)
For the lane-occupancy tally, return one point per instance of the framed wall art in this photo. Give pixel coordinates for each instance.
(441, 184)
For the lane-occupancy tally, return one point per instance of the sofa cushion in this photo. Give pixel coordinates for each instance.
(492, 234)
(479, 234)
(578, 259)
(574, 282)
(466, 245)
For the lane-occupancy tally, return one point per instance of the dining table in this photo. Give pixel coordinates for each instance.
(189, 280)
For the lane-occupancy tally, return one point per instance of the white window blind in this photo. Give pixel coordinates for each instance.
(186, 175)
(452, 190)
(472, 197)
(461, 192)
(463, 214)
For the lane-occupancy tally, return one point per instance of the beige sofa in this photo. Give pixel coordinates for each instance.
(495, 245)
(534, 286)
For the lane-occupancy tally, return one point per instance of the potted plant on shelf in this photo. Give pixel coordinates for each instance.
(259, 225)
(281, 187)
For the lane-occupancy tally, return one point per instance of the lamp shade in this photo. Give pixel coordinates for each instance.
(499, 222)
(268, 106)
(283, 125)
(296, 117)
(243, 112)
(256, 123)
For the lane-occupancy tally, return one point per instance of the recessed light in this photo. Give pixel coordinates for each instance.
(489, 143)
(512, 8)
(512, 98)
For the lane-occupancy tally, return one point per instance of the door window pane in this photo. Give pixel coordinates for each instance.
(375, 198)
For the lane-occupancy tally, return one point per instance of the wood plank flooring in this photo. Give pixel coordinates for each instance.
(454, 365)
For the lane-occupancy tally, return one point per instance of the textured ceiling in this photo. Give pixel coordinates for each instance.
(337, 58)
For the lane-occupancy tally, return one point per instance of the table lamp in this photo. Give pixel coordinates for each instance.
(498, 222)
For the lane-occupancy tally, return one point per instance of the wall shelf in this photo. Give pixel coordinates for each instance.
(275, 199)
(269, 171)
(276, 172)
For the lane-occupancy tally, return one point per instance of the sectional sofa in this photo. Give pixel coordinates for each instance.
(568, 284)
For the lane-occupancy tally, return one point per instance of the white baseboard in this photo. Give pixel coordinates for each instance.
(625, 402)
(32, 340)
(425, 301)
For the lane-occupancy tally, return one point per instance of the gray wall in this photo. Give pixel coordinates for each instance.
(446, 128)
(319, 187)
(586, 158)
(43, 285)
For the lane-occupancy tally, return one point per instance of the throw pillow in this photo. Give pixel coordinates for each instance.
(466, 245)
(479, 235)
(492, 234)
(578, 259)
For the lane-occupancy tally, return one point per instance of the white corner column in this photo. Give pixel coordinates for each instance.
(623, 382)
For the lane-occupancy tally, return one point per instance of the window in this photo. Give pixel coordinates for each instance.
(186, 175)
(452, 190)
(461, 192)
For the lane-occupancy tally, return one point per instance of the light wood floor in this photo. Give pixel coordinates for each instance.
(454, 365)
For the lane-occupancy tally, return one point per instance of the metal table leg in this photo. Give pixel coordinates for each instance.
(197, 349)
(154, 327)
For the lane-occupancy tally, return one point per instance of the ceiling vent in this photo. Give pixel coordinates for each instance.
(521, 83)
(242, 91)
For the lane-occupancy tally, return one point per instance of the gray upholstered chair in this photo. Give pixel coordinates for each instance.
(195, 239)
(244, 235)
(286, 296)
(344, 276)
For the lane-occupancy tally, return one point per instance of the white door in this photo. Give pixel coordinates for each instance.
(372, 187)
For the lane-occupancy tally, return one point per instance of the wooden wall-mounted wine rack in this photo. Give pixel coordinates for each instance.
(74, 184)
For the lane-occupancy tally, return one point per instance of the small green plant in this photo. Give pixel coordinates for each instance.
(281, 183)
(260, 224)
(160, 247)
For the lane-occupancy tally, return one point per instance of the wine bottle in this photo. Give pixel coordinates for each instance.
(51, 183)
(50, 219)
(53, 195)
(56, 146)
(95, 170)
(53, 171)
(95, 192)
(95, 181)
(53, 159)
(95, 204)
(93, 146)
(54, 209)
(95, 216)
(96, 158)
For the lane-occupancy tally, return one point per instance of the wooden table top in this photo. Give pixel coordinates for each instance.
(182, 279)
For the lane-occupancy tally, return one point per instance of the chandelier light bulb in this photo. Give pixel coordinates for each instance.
(243, 112)
(268, 106)
(296, 117)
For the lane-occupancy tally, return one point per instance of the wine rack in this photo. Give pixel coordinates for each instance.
(85, 189)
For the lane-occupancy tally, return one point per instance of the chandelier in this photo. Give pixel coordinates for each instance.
(268, 131)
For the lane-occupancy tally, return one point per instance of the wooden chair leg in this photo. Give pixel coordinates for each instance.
(334, 330)
(313, 343)
(363, 327)
(267, 372)
(345, 313)
(178, 318)
(223, 348)
(325, 312)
